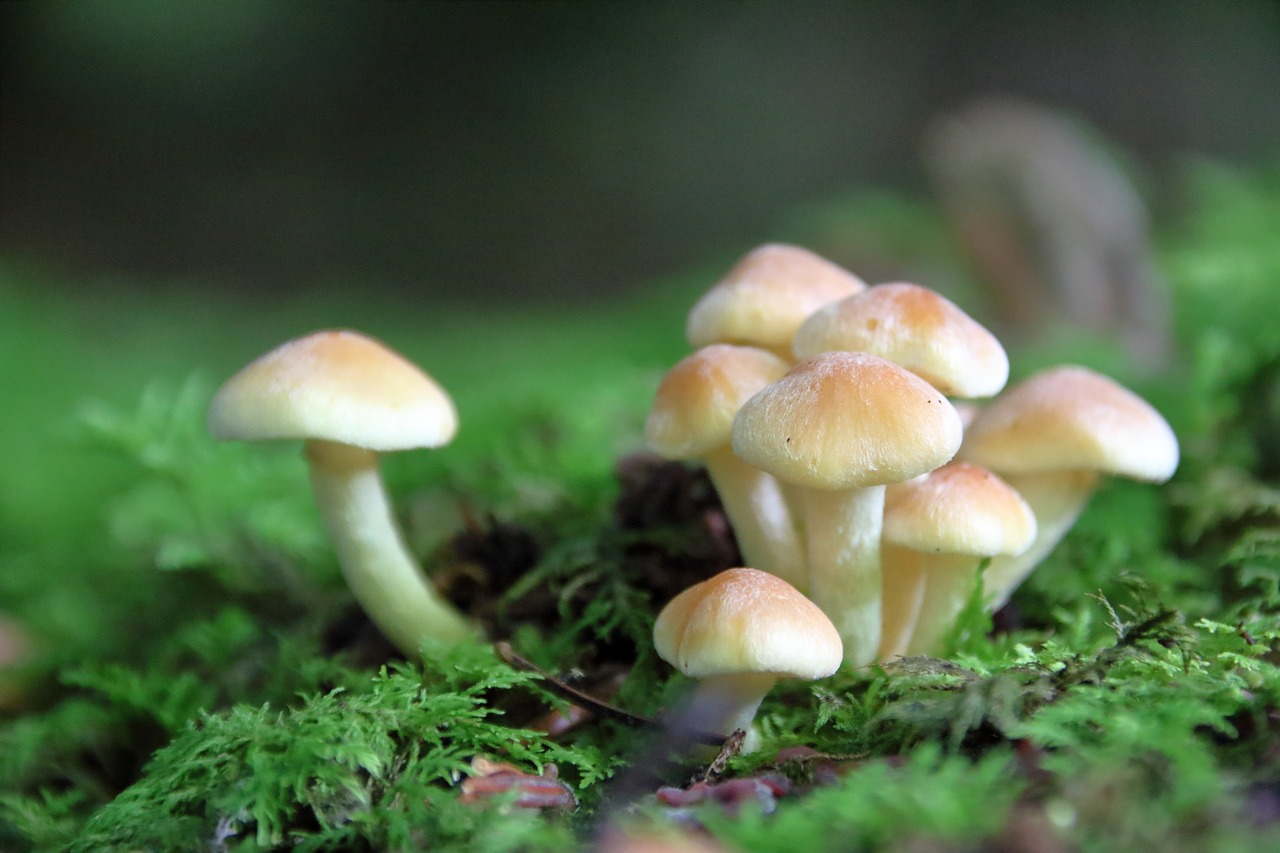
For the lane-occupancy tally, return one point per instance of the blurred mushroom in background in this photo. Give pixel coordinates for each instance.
(1051, 224)
(15, 651)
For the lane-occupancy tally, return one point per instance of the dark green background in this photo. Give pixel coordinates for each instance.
(545, 149)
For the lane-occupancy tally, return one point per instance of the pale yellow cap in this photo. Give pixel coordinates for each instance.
(1071, 418)
(916, 328)
(846, 420)
(958, 509)
(337, 386)
(693, 409)
(746, 621)
(765, 297)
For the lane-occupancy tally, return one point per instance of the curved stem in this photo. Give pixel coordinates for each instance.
(762, 521)
(382, 575)
(903, 593)
(1056, 499)
(843, 529)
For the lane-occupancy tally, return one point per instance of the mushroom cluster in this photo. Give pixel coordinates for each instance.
(854, 478)
(821, 409)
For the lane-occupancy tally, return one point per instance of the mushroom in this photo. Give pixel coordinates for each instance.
(765, 297)
(692, 418)
(840, 426)
(15, 651)
(921, 331)
(738, 633)
(937, 530)
(917, 329)
(349, 398)
(1051, 437)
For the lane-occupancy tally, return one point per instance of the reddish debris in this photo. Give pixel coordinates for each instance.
(535, 792)
(762, 790)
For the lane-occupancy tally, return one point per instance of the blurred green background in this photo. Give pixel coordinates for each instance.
(543, 150)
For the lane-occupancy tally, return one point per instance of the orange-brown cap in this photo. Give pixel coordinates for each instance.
(1071, 418)
(337, 386)
(958, 509)
(694, 407)
(913, 327)
(765, 297)
(845, 420)
(744, 621)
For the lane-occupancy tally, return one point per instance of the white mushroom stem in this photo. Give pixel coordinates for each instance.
(762, 521)
(903, 594)
(723, 704)
(843, 531)
(1057, 498)
(382, 575)
(950, 580)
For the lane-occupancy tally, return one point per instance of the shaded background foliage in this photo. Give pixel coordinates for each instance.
(547, 149)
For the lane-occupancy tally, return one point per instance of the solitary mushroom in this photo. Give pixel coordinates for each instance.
(937, 530)
(738, 633)
(841, 426)
(765, 297)
(692, 418)
(349, 398)
(1051, 437)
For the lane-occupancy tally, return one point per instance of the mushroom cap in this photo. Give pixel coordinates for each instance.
(845, 420)
(337, 386)
(913, 327)
(958, 509)
(695, 403)
(1071, 418)
(765, 297)
(745, 621)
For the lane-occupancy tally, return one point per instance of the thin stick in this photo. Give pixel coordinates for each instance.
(592, 704)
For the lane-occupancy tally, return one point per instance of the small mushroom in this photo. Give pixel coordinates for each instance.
(765, 297)
(738, 633)
(1051, 437)
(692, 418)
(350, 398)
(915, 328)
(841, 426)
(937, 530)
